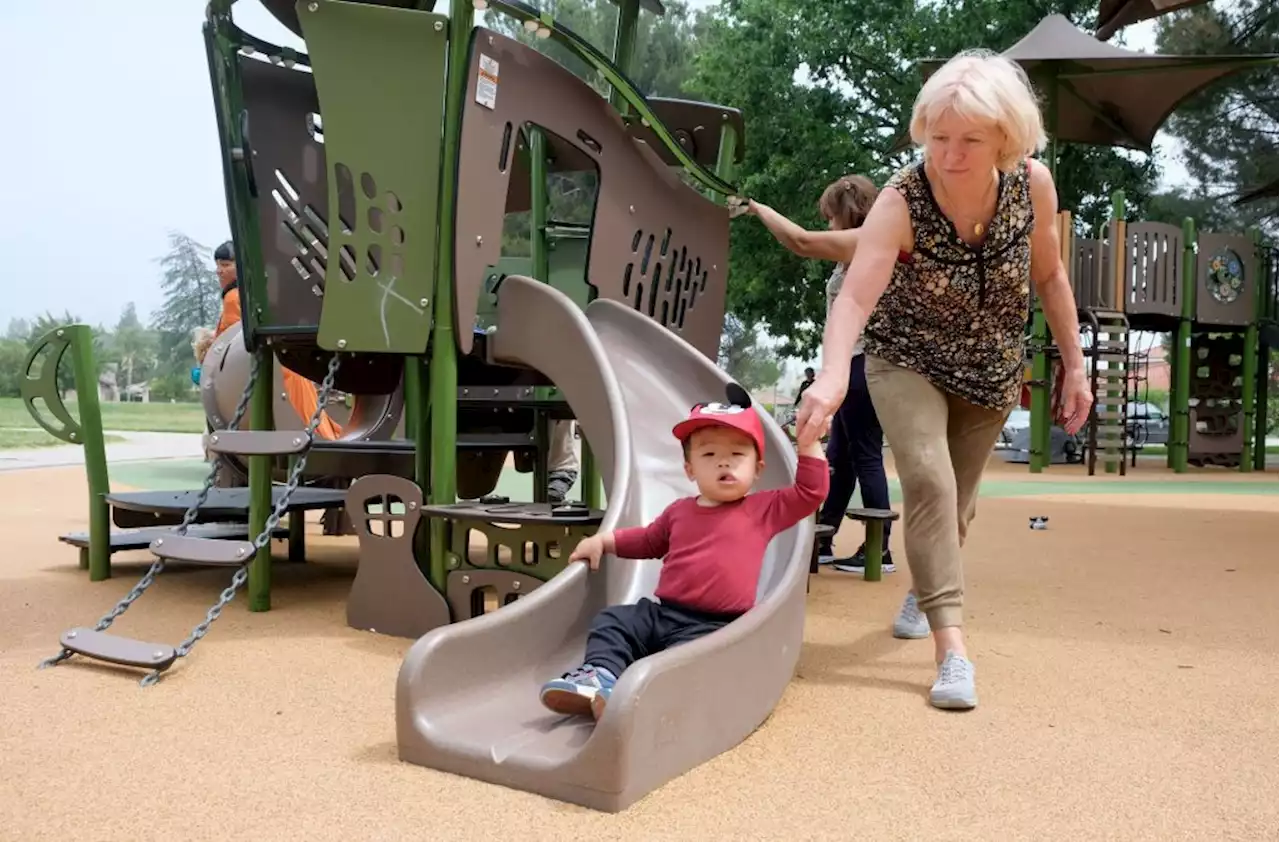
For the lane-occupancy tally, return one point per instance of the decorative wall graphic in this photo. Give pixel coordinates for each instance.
(1225, 277)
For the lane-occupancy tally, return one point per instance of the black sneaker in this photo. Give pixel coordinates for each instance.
(857, 563)
(558, 485)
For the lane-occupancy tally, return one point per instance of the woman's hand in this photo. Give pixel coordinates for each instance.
(818, 404)
(1077, 399)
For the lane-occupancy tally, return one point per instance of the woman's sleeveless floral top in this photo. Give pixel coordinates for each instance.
(956, 314)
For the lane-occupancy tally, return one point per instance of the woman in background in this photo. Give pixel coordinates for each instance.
(855, 450)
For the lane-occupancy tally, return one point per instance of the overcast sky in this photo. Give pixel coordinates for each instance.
(109, 142)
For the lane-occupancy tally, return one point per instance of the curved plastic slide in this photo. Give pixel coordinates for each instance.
(467, 694)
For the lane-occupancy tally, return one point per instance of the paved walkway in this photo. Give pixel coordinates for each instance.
(136, 447)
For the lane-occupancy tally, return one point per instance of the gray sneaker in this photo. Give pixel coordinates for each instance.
(954, 688)
(910, 623)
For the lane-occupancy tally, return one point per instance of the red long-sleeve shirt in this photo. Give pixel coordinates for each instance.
(712, 555)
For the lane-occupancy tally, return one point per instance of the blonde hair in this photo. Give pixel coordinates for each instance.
(201, 339)
(980, 85)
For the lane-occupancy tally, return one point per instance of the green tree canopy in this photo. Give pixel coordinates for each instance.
(825, 89)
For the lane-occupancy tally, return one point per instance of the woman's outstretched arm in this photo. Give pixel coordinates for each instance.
(886, 232)
(837, 246)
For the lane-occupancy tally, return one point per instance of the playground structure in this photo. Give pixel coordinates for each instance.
(368, 240)
(369, 247)
(1216, 294)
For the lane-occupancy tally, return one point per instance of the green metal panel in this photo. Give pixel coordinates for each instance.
(486, 312)
(380, 77)
(42, 385)
(567, 262)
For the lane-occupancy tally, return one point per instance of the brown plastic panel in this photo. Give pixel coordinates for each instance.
(657, 245)
(507, 585)
(118, 650)
(1239, 311)
(289, 169)
(695, 126)
(1088, 272)
(669, 712)
(215, 551)
(1153, 262)
(390, 595)
(258, 442)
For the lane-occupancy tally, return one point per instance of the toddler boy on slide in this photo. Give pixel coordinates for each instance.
(712, 548)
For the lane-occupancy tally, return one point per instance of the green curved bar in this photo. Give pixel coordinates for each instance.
(45, 385)
(583, 49)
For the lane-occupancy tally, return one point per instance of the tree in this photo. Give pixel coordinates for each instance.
(744, 358)
(825, 89)
(191, 295)
(191, 300)
(132, 347)
(1228, 131)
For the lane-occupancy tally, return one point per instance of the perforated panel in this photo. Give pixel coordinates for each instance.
(657, 244)
(380, 76)
(293, 206)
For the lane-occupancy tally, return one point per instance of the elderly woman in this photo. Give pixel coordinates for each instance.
(937, 291)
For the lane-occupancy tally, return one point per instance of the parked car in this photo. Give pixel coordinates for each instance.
(1147, 423)
(1019, 419)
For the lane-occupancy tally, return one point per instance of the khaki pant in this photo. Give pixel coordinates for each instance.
(940, 445)
(563, 455)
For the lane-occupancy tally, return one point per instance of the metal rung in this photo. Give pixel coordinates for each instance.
(1112, 346)
(204, 550)
(118, 650)
(1110, 415)
(258, 442)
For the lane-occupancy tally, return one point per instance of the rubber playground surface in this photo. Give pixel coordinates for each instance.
(1126, 662)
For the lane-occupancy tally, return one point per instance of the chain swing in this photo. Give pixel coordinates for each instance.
(262, 540)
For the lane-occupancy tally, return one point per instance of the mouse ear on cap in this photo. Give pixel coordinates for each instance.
(737, 396)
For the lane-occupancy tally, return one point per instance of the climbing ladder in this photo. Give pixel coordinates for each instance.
(98, 644)
(1108, 354)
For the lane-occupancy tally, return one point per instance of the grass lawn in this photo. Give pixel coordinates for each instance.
(129, 417)
(18, 439)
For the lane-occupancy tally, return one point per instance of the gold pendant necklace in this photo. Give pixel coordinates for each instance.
(977, 229)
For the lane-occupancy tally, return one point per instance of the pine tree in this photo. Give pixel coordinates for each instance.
(190, 287)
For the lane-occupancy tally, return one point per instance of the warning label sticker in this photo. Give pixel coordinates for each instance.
(487, 83)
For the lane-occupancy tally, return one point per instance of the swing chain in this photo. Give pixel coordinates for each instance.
(264, 537)
(187, 519)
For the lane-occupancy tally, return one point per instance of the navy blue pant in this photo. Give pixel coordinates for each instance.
(620, 635)
(855, 452)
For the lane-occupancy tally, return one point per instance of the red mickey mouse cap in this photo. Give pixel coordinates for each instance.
(736, 415)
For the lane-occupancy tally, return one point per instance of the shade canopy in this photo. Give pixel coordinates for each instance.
(1114, 15)
(1101, 94)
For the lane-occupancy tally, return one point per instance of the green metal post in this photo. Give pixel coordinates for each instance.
(444, 349)
(1249, 363)
(260, 484)
(624, 46)
(1038, 459)
(95, 450)
(539, 251)
(417, 423)
(1266, 310)
(1182, 361)
(728, 149)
